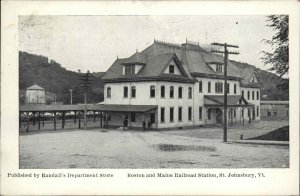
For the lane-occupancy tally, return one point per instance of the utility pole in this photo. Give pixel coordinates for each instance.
(71, 96)
(225, 52)
(86, 82)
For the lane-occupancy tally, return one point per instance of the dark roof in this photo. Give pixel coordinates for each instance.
(193, 59)
(94, 107)
(232, 100)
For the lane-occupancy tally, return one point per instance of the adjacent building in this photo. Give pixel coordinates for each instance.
(35, 95)
(170, 85)
(274, 110)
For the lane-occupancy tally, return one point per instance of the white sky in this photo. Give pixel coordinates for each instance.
(93, 42)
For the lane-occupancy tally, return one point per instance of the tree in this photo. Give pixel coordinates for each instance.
(279, 57)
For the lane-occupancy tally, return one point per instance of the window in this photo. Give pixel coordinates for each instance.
(200, 86)
(252, 95)
(180, 92)
(171, 92)
(125, 92)
(208, 114)
(172, 114)
(248, 95)
(171, 69)
(228, 88)
(219, 68)
(200, 113)
(209, 87)
(269, 113)
(190, 93)
(162, 91)
(108, 92)
(242, 93)
(257, 111)
(152, 91)
(162, 115)
(257, 95)
(132, 117)
(190, 113)
(275, 113)
(242, 113)
(133, 91)
(179, 114)
(219, 87)
(234, 88)
(234, 113)
(129, 69)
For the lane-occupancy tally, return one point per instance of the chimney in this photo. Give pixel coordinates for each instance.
(137, 55)
(154, 47)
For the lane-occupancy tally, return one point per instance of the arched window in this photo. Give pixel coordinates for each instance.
(234, 88)
(179, 92)
(219, 87)
(209, 87)
(108, 92)
(200, 86)
(162, 91)
(171, 92)
(257, 95)
(133, 92)
(248, 95)
(152, 91)
(190, 93)
(125, 92)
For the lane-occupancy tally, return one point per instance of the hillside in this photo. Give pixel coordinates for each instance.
(272, 87)
(35, 69)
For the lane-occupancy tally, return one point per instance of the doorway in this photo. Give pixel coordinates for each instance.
(219, 116)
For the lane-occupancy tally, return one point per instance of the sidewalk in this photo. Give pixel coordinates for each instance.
(262, 142)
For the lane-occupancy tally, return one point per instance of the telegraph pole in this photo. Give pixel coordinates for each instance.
(225, 52)
(86, 82)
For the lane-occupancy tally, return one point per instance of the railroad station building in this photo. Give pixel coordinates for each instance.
(180, 85)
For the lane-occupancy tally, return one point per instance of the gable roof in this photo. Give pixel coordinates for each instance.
(193, 60)
(35, 87)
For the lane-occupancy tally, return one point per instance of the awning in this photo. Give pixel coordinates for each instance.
(90, 107)
(232, 101)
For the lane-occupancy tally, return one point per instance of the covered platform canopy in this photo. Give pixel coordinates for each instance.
(90, 107)
(232, 101)
(38, 111)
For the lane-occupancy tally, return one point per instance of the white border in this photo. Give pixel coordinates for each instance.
(278, 181)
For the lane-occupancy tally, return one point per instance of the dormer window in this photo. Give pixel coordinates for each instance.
(219, 68)
(171, 69)
(129, 69)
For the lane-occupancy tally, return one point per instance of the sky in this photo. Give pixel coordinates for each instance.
(94, 42)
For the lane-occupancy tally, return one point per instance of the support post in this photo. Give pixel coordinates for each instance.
(33, 118)
(20, 121)
(79, 119)
(54, 120)
(39, 120)
(75, 117)
(27, 127)
(63, 120)
(101, 118)
(85, 110)
(94, 116)
(43, 119)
